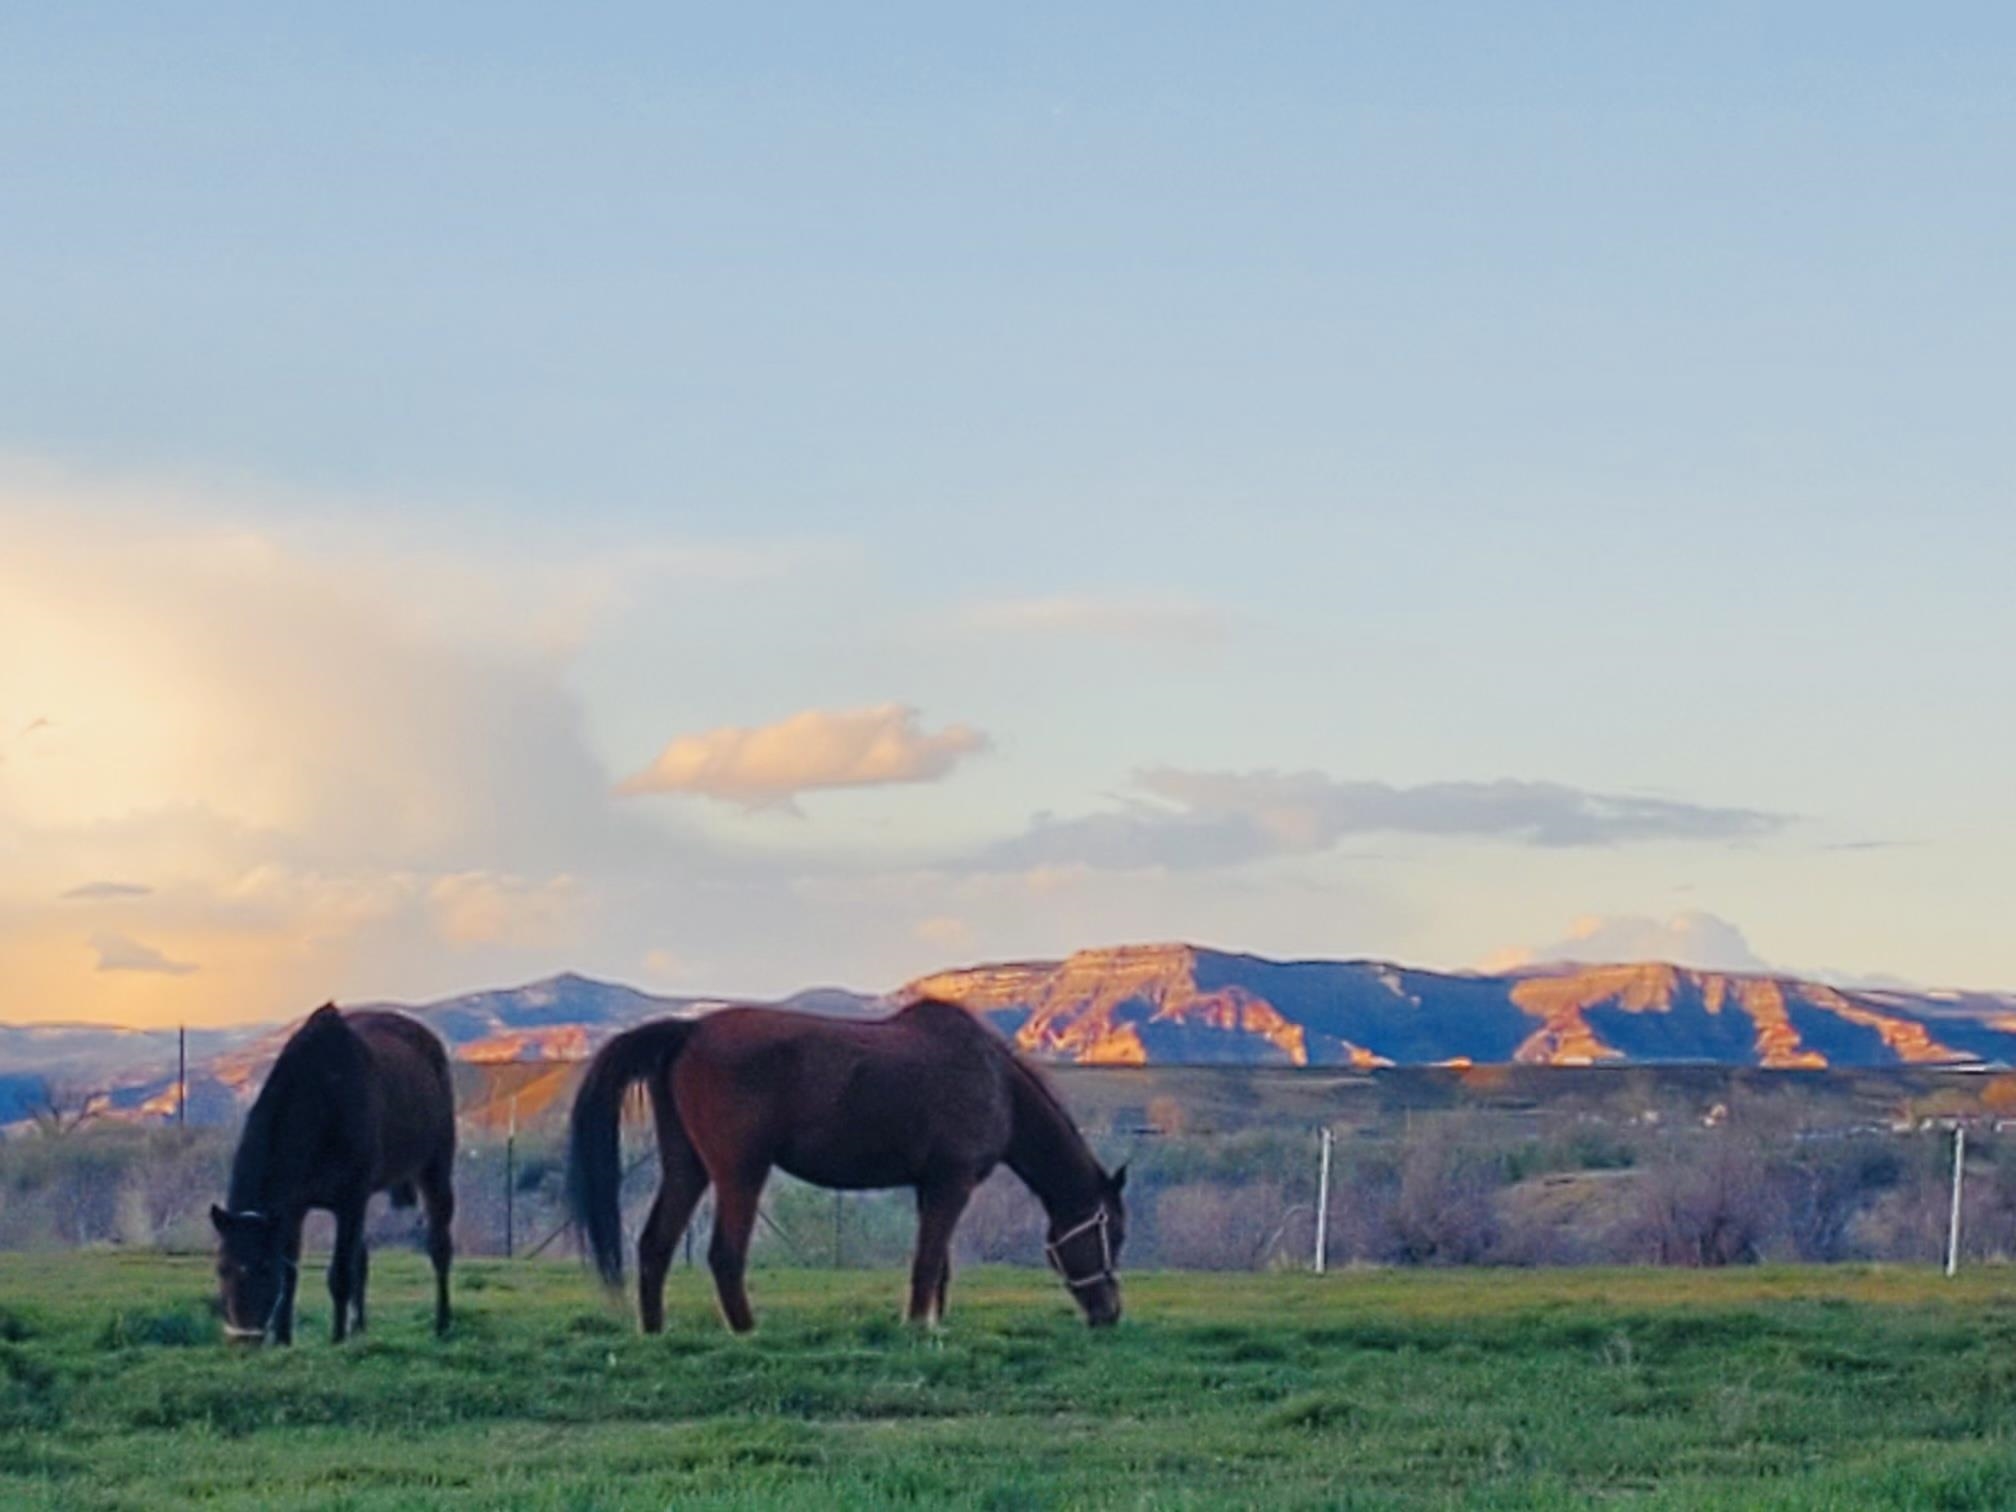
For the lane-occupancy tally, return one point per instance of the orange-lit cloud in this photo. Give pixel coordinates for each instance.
(769, 765)
(483, 908)
(293, 766)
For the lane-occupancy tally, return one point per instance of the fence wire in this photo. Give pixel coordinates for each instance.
(1222, 1176)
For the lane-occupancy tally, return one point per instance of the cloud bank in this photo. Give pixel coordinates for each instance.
(1181, 819)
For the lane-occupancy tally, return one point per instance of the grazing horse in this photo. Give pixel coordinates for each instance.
(357, 1103)
(927, 1098)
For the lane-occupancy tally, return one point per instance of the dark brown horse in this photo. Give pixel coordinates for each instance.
(357, 1103)
(928, 1098)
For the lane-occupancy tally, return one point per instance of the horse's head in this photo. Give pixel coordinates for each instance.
(1084, 1248)
(252, 1267)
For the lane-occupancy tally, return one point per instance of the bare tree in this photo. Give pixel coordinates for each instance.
(66, 1107)
(1445, 1212)
(1708, 1201)
(1211, 1226)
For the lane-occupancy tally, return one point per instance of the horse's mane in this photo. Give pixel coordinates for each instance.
(1057, 1125)
(281, 1102)
(1038, 1084)
(1023, 1076)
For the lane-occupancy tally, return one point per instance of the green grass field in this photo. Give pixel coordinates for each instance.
(1769, 1388)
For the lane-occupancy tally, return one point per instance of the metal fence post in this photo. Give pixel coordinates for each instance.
(1953, 1222)
(1323, 1144)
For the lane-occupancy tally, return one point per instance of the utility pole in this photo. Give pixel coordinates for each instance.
(182, 1076)
(1953, 1222)
(511, 1181)
(1324, 1141)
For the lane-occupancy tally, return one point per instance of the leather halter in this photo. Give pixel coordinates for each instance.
(1053, 1251)
(288, 1266)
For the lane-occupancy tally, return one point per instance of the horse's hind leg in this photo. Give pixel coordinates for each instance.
(728, 1254)
(363, 1276)
(343, 1266)
(437, 1194)
(939, 1205)
(683, 1181)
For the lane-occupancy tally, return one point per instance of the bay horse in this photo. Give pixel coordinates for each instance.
(357, 1103)
(928, 1098)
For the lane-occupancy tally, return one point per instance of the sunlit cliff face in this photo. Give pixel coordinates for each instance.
(1141, 1004)
(1093, 1008)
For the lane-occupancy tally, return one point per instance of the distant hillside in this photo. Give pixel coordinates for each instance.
(1159, 1005)
(562, 1018)
(1178, 1004)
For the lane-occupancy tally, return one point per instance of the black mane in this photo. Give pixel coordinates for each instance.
(318, 1070)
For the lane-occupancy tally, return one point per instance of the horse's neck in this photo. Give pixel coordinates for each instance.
(1048, 1153)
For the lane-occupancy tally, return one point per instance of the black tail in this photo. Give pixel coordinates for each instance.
(594, 1160)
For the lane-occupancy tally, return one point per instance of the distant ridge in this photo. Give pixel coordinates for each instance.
(1169, 1004)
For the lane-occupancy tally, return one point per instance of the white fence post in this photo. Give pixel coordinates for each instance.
(1953, 1223)
(1324, 1141)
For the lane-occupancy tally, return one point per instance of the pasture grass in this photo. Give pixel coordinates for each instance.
(1776, 1388)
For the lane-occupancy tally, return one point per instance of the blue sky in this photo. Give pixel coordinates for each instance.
(1431, 396)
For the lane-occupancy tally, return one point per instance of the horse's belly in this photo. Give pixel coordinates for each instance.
(850, 1166)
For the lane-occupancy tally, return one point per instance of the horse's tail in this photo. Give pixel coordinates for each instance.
(594, 1159)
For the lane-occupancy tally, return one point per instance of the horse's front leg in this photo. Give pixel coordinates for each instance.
(290, 1280)
(939, 1204)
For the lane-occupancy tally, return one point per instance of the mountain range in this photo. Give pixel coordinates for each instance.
(1155, 1005)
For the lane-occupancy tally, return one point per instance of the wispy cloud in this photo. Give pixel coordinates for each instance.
(118, 953)
(96, 892)
(944, 931)
(770, 765)
(1181, 819)
(1118, 618)
(1694, 938)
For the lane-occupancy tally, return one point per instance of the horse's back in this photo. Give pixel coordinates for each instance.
(762, 1042)
(395, 1039)
(850, 1102)
(414, 1094)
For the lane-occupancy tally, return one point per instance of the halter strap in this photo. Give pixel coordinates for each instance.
(1053, 1251)
(233, 1331)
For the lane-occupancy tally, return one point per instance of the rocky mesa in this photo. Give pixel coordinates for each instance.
(1169, 1004)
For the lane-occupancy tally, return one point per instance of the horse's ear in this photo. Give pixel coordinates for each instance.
(1118, 1181)
(219, 1219)
(327, 1010)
